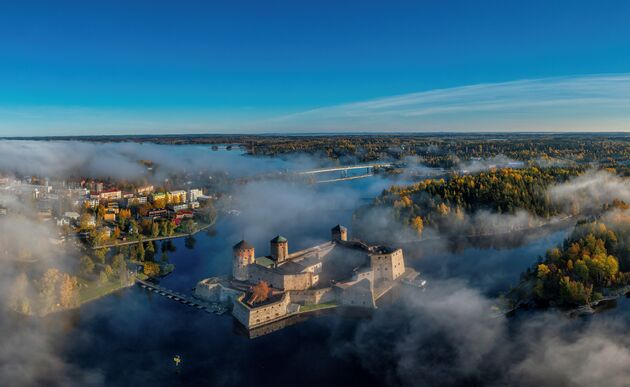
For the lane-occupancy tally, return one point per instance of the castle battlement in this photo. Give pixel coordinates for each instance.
(334, 273)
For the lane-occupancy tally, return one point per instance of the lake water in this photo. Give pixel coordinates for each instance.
(130, 338)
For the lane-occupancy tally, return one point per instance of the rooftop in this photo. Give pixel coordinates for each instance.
(279, 239)
(273, 298)
(243, 245)
(382, 250)
(265, 261)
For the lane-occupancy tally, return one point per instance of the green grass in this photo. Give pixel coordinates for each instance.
(312, 307)
(95, 290)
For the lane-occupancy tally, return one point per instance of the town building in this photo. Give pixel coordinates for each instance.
(194, 195)
(72, 216)
(178, 207)
(156, 214)
(91, 202)
(158, 196)
(113, 194)
(176, 197)
(144, 191)
(109, 216)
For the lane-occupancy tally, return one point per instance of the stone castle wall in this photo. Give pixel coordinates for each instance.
(301, 281)
(212, 290)
(252, 317)
(359, 294)
(314, 296)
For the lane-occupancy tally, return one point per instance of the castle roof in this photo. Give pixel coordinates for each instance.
(267, 262)
(243, 245)
(273, 298)
(382, 249)
(339, 228)
(279, 239)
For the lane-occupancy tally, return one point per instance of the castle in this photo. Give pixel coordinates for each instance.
(339, 272)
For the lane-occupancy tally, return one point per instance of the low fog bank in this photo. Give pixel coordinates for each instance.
(449, 335)
(31, 353)
(380, 224)
(479, 165)
(591, 191)
(123, 160)
(301, 212)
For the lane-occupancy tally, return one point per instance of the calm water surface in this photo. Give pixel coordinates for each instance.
(131, 337)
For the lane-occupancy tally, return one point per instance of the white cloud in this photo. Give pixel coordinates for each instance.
(577, 103)
(595, 102)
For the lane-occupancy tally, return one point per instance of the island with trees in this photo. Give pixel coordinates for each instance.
(446, 204)
(592, 264)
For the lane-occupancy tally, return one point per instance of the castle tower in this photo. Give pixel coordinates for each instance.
(339, 233)
(387, 263)
(243, 257)
(279, 248)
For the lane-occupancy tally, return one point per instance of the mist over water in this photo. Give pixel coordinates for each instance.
(446, 335)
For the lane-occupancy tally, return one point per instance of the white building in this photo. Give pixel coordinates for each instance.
(72, 215)
(194, 194)
(91, 202)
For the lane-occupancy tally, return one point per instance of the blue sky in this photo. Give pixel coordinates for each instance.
(204, 66)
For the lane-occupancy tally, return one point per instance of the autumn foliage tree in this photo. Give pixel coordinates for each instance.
(418, 225)
(151, 269)
(260, 292)
(68, 296)
(444, 203)
(594, 258)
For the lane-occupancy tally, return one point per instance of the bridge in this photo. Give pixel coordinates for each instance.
(181, 298)
(345, 178)
(367, 170)
(368, 167)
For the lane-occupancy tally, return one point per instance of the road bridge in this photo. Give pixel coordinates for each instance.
(345, 178)
(345, 168)
(182, 298)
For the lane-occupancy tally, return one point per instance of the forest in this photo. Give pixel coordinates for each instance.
(435, 150)
(591, 262)
(442, 203)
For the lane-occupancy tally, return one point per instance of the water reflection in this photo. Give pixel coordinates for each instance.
(131, 337)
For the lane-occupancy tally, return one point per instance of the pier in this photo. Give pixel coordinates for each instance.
(217, 309)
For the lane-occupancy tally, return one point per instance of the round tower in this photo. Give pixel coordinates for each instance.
(279, 248)
(339, 233)
(243, 257)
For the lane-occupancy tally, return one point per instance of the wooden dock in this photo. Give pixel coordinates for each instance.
(192, 302)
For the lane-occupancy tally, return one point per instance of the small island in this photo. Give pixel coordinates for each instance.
(591, 265)
(269, 288)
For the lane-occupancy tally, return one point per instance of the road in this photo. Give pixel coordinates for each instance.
(162, 238)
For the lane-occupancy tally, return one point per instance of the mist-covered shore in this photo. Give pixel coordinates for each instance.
(446, 335)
